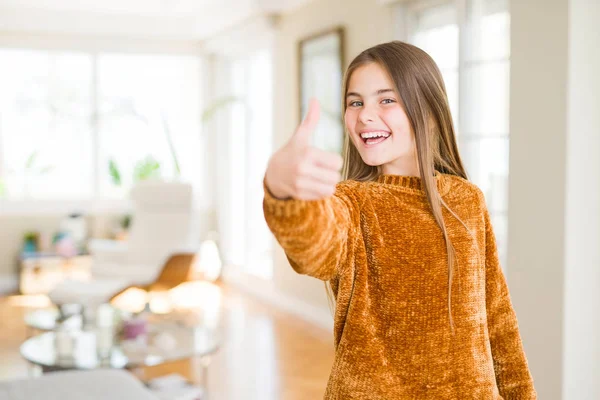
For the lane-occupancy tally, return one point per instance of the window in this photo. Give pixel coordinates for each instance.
(436, 31)
(45, 132)
(259, 148)
(470, 42)
(87, 126)
(248, 239)
(149, 111)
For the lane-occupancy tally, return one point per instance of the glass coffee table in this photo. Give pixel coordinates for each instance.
(47, 319)
(89, 349)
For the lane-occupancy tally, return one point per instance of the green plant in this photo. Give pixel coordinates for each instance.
(147, 168)
(126, 221)
(30, 242)
(113, 170)
(215, 106)
(31, 169)
(207, 114)
(30, 165)
(30, 236)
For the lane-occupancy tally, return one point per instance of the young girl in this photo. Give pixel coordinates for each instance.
(405, 241)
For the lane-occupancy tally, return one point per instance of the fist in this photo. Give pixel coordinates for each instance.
(300, 171)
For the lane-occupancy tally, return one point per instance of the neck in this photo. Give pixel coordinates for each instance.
(405, 166)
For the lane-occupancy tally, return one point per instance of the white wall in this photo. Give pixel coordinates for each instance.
(581, 353)
(13, 227)
(554, 239)
(537, 183)
(11, 235)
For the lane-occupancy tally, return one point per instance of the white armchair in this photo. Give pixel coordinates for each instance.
(164, 222)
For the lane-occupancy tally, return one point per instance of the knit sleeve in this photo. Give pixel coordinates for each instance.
(510, 364)
(318, 235)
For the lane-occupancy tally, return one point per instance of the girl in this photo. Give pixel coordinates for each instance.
(405, 242)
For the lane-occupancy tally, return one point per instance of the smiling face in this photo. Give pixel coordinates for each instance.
(377, 123)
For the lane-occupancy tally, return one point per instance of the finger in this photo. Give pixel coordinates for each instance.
(309, 187)
(312, 116)
(326, 159)
(323, 175)
(308, 125)
(313, 195)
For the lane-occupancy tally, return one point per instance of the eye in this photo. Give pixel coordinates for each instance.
(355, 103)
(388, 101)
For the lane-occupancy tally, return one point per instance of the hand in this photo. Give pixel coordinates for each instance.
(300, 171)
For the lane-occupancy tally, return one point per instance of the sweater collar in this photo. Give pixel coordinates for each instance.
(410, 182)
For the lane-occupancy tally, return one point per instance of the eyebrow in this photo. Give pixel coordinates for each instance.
(377, 93)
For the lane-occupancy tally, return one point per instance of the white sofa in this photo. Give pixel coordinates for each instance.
(164, 222)
(100, 384)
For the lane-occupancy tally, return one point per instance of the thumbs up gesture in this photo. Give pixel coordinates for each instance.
(300, 171)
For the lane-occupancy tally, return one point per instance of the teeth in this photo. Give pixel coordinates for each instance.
(368, 135)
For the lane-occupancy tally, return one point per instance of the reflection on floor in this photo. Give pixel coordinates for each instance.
(266, 354)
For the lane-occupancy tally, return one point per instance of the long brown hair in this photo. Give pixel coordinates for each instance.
(422, 92)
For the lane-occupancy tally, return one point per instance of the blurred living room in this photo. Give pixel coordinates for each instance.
(135, 260)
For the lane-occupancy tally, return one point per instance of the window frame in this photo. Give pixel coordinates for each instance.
(93, 47)
(405, 17)
(238, 253)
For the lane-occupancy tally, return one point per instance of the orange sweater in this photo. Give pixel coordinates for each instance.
(385, 257)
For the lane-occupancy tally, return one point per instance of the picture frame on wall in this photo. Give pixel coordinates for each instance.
(321, 64)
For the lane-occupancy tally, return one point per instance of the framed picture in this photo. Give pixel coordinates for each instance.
(321, 63)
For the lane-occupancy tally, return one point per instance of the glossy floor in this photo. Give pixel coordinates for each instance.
(266, 354)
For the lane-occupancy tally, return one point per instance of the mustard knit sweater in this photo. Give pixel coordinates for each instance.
(379, 246)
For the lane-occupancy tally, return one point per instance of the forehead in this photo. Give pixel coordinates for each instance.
(368, 77)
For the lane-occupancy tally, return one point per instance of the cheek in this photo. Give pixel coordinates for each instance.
(350, 121)
(397, 120)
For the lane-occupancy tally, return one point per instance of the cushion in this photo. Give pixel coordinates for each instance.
(99, 384)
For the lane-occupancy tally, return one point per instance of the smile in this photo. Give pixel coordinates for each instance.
(375, 137)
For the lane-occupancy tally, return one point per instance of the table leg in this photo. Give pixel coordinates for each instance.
(205, 361)
(30, 370)
(29, 332)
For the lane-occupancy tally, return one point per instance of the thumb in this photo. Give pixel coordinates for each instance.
(309, 124)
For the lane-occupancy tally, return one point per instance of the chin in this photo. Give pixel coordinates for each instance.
(372, 161)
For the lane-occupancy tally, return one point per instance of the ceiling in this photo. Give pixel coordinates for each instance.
(176, 19)
(123, 7)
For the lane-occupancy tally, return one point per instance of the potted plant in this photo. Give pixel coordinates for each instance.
(30, 242)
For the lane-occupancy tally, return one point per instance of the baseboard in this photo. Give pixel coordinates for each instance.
(265, 291)
(9, 284)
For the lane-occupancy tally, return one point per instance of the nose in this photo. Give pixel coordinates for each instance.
(366, 115)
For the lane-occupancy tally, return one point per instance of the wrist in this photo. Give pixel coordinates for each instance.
(274, 192)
